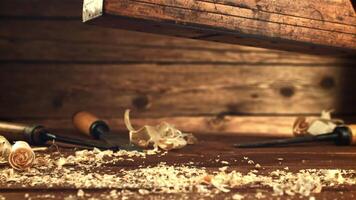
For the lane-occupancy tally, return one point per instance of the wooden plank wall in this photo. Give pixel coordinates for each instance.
(51, 65)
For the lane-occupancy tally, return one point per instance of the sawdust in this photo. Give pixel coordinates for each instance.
(237, 197)
(82, 171)
(164, 178)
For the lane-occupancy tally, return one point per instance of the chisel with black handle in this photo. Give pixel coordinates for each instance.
(38, 135)
(89, 124)
(341, 135)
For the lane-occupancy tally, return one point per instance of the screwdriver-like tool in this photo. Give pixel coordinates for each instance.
(88, 124)
(38, 135)
(341, 135)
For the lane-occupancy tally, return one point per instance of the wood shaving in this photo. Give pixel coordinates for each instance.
(164, 178)
(96, 157)
(259, 195)
(60, 162)
(82, 171)
(324, 124)
(223, 168)
(39, 149)
(164, 135)
(300, 126)
(80, 193)
(143, 191)
(304, 182)
(237, 197)
(320, 126)
(5, 148)
(224, 162)
(21, 156)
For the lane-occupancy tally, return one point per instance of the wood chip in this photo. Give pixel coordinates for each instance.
(164, 135)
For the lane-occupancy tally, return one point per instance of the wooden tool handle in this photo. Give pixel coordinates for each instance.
(352, 127)
(20, 132)
(83, 122)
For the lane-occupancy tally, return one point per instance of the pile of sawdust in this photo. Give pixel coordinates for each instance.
(77, 171)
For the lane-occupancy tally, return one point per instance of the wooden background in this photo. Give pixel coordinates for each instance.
(51, 65)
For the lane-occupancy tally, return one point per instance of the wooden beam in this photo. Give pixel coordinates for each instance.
(318, 27)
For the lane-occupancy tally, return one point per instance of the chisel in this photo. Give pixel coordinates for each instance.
(341, 135)
(88, 124)
(38, 135)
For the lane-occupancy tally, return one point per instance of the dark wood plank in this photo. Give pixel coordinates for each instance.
(55, 90)
(235, 24)
(37, 9)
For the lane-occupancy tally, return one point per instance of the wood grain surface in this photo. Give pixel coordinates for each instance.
(52, 65)
(59, 90)
(247, 23)
(209, 153)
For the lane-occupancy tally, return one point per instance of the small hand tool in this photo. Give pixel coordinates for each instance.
(341, 135)
(38, 135)
(89, 124)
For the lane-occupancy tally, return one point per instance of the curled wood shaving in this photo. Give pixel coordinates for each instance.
(21, 156)
(300, 126)
(5, 148)
(324, 124)
(164, 135)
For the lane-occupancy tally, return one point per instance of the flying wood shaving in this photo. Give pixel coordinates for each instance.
(21, 156)
(324, 124)
(164, 135)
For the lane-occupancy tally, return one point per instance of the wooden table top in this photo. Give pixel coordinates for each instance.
(212, 152)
